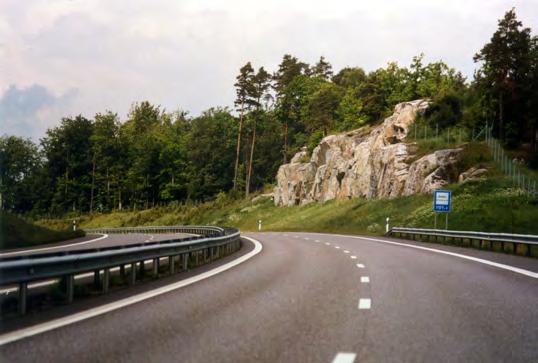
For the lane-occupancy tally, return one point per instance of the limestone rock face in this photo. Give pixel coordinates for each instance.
(371, 163)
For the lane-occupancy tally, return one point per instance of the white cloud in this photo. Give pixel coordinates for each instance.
(187, 53)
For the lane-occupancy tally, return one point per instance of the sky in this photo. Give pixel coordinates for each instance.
(61, 58)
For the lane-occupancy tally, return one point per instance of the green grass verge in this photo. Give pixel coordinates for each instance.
(16, 233)
(488, 205)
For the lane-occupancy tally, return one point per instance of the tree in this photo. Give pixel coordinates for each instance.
(20, 159)
(289, 69)
(260, 86)
(350, 77)
(210, 151)
(321, 110)
(350, 111)
(242, 89)
(142, 133)
(322, 69)
(505, 67)
(173, 157)
(107, 168)
(532, 105)
(445, 111)
(69, 163)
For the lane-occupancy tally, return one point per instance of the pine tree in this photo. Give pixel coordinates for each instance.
(242, 90)
(504, 75)
(260, 86)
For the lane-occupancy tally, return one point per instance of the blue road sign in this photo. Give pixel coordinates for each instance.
(441, 201)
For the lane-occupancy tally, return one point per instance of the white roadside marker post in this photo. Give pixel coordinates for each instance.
(259, 224)
(387, 225)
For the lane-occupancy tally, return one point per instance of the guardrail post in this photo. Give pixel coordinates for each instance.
(106, 280)
(171, 264)
(23, 293)
(186, 261)
(142, 268)
(155, 267)
(69, 288)
(132, 275)
(96, 278)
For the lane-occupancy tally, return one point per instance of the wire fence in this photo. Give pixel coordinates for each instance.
(423, 131)
(511, 167)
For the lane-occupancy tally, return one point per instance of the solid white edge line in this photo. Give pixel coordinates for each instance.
(53, 247)
(90, 313)
(470, 258)
(344, 357)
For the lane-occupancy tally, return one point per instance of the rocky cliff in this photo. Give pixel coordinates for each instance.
(368, 162)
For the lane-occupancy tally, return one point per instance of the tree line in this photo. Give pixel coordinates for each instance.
(155, 157)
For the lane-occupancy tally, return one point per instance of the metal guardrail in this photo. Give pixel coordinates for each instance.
(199, 230)
(209, 243)
(522, 242)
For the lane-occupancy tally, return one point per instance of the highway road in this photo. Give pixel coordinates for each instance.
(305, 297)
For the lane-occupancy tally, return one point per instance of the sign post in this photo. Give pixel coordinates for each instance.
(441, 204)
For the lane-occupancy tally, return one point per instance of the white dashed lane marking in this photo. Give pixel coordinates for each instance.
(360, 265)
(346, 251)
(365, 304)
(337, 247)
(344, 358)
(353, 257)
(327, 243)
(365, 279)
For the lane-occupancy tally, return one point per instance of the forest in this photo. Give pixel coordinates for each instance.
(155, 157)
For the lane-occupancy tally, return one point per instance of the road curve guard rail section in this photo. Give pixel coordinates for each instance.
(207, 244)
(521, 244)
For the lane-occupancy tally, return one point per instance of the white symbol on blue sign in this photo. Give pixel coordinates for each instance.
(441, 201)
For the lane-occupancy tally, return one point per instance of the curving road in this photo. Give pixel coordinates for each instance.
(314, 298)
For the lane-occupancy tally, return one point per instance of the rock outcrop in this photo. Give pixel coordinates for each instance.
(368, 162)
(473, 173)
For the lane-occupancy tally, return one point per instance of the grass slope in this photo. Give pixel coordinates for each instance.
(16, 232)
(487, 205)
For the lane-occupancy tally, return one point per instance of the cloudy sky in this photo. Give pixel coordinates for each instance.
(65, 57)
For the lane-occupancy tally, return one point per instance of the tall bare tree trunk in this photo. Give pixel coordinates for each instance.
(238, 146)
(119, 199)
(249, 174)
(534, 135)
(1, 195)
(501, 117)
(93, 184)
(66, 180)
(108, 190)
(285, 142)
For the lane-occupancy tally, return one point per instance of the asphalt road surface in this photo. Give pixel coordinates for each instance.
(316, 298)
